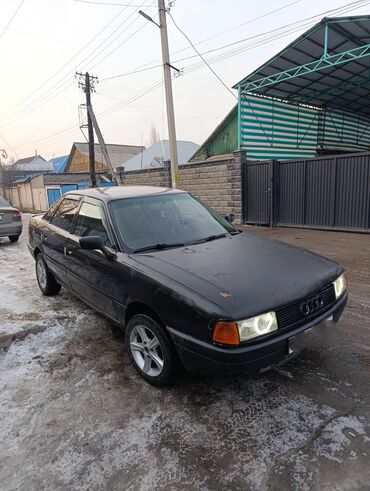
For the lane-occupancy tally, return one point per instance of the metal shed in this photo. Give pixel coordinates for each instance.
(310, 99)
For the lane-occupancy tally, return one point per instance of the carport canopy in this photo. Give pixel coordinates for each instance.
(327, 66)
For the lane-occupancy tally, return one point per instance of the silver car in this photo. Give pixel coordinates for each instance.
(10, 221)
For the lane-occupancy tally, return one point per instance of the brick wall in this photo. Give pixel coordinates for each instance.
(218, 183)
(148, 177)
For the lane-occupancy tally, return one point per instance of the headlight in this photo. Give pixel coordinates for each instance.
(339, 286)
(257, 326)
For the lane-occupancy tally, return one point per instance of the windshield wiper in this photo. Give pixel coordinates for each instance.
(157, 247)
(209, 238)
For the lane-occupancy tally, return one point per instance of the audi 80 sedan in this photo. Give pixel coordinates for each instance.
(181, 280)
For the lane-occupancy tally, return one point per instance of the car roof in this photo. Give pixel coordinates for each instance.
(121, 192)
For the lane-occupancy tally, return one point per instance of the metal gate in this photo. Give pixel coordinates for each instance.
(258, 192)
(325, 192)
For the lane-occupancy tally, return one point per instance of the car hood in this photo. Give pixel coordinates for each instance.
(244, 274)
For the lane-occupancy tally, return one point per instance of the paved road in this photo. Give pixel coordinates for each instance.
(74, 414)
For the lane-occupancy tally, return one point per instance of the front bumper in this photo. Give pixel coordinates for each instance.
(201, 356)
(13, 228)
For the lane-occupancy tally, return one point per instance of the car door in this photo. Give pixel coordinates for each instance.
(55, 233)
(90, 273)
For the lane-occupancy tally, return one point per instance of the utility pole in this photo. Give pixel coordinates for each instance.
(169, 95)
(86, 83)
(168, 88)
(3, 154)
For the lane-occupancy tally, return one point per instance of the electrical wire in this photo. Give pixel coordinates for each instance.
(64, 83)
(312, 19)
(201, 56)
(11, 19)
(111, 3)
(67, 63)
(343, 9)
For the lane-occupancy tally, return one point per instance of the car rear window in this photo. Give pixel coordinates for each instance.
(3, 202)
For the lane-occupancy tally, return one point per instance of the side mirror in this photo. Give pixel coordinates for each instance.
(94, 243)
(230, 217)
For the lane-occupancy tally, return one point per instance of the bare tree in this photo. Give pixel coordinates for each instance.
(154, 136)
(8, 173)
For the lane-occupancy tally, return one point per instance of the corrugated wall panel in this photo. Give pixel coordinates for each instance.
(325, 192)
(291, 193)
(277, 130)
(320, 192)
(258, 194)
(353, 192)
(344, 130)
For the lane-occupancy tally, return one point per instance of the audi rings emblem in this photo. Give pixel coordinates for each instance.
(311, 306)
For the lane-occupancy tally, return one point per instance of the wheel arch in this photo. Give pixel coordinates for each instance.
(36, 251)
(141, 308)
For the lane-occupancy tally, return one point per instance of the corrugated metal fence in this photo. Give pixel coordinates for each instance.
(325, 192)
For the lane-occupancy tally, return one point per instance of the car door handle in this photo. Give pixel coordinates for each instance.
(67, 251)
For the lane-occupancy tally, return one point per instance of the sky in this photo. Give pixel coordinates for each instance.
(47, 41)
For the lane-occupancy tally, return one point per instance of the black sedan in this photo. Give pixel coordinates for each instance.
(184, 283)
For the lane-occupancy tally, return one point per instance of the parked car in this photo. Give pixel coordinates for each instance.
(10, 221)
(183, 282)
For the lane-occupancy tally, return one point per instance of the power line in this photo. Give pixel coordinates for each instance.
(250, 21)
(67, 63)
(8, 144)
(111, 3)
(145, 67)
(204, 60)
(63, 83)
(11, 19)
(344, 9)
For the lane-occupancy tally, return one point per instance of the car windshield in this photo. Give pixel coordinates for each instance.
(156, 222)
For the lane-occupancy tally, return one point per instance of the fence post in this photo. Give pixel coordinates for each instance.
(274, 188)
(239, 182)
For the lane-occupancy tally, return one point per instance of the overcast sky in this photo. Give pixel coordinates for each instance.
(48, 40)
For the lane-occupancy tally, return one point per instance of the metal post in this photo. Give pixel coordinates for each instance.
(90, 132)
(168, 90)
(326, 34)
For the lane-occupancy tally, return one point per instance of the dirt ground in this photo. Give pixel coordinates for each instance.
(76, 416)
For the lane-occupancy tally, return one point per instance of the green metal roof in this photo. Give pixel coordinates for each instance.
(328, 65)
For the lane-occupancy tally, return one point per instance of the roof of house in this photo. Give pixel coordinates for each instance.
(328, 65)
(118, 154)
(157, 153)
(37, 163)
(28, 160)
(59, 163)
(233, 113)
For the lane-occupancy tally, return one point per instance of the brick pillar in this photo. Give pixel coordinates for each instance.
(236, 170)
(166, 178)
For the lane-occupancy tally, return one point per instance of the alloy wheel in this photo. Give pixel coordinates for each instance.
(146, 350)
(41, 273)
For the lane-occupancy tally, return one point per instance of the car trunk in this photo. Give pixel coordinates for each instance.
(6, 215)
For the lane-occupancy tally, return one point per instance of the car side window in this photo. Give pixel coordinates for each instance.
(91, 221)
(64, 215)
(49, 214)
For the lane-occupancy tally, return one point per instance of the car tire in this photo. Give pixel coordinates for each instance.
(13, 238)
(150, 350)
(47, 283)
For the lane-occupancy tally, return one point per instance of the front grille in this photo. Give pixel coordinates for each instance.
(291, 315)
